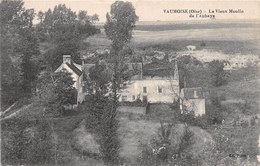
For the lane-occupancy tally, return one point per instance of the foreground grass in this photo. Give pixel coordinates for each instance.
(137, 130)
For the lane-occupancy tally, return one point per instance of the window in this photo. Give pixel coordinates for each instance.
(145, 99)
(123, 85)
(195, 94)
(133, 97)
(159, 89)
(124, 98)
(144, 90)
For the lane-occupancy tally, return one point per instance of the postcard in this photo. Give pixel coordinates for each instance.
(137, 82)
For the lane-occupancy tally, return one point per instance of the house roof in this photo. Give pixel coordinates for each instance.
(192, 93)
(146, 71)
(136, 69)
(74, 68)
(159, 68)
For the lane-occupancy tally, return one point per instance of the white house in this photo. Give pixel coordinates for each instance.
(192, 99)
(153, 89)
(76, 74)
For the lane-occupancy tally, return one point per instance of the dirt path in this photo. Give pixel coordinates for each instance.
(17, 112)
(8, 109)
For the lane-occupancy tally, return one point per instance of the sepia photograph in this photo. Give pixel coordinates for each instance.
(130, 83)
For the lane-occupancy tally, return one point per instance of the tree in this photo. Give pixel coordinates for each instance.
(120, 24)
(118, 28)
(64, 29)
(83, 17)
(27, 141)
(10, 79)
(40, 16)
(28, 17)
(18, 46)
(10, 16)
(55, 90)
(217, 73)
(29, 48)
(185, 67)
(100, 77)
(214, 110)
(94, 18)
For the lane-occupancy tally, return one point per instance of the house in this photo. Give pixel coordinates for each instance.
(152, 88)
(76, 71)
(192, 99)
(148, 88)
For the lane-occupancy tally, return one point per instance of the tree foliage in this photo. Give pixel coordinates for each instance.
(26, 142)
(13, 15)
(99, 79)
(216, 68)
(29, 48)
(118, 28)
(18, 46)
(55, 90)
(186, 64)
(64, 28)
(120, 23)
(164, 151)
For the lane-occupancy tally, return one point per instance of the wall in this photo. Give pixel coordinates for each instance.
(135, 88)
(132, 109)
(81, 95)
(196, 105)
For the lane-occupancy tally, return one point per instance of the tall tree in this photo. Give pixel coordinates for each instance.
(10, 16)
(118, 28)
(40, 16)
(64, 29)
(94, 18)
(83, 17)
(18, 45)
(216, 68)
(28, 48)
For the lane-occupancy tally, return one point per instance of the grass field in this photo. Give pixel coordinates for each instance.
(136, 130)
(226, 40)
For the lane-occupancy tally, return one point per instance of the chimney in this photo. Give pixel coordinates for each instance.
(67, 59)
(176, 72)
(195, 94)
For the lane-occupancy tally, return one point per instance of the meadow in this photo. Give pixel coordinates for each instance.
(229, 40)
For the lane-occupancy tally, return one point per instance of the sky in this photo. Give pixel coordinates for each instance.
(153, 10)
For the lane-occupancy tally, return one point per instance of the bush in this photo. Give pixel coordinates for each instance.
(192, 120)
(162, 152)
(26, 142)
(214, 115)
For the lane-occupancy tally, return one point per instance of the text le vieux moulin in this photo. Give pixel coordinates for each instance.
(194, 13)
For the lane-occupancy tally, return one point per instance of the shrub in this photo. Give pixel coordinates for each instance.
(162, 152)
(214, 114)
(192, 120)
(26, 142)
